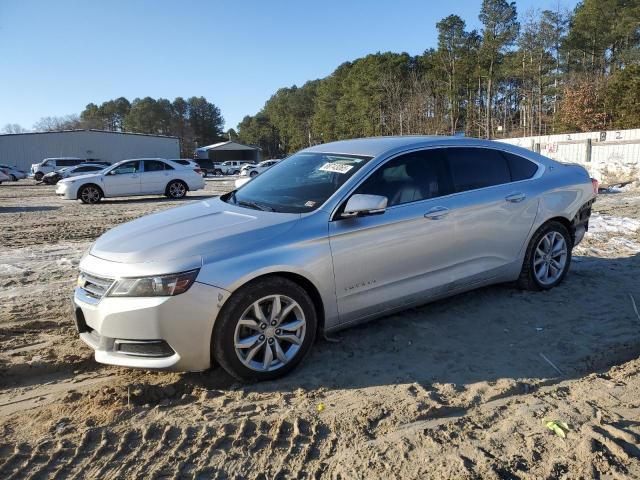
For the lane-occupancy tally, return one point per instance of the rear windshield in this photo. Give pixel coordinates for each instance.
(298, 184)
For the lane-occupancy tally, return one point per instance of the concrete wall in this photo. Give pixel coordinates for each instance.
(611, 157)
(22, 150)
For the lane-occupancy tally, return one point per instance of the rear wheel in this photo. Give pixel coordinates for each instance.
(236, 172)
(176, 189)
(90, 194)
(253, 174)
(548, 257)
(13, 178)
(38, 176)
(204, 172)
(217, 171)
(264, 330)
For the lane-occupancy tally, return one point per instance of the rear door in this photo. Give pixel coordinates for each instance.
(123, 180)
(495, 209)
(388, 260)
(155, 176)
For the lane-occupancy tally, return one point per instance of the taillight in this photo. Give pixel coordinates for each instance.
(198, 171)
(594, 184)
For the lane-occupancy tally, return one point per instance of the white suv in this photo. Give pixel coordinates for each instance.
(146, 176)
(232, 167)
(38, 170)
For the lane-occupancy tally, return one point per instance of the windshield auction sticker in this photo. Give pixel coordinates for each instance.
(335, 167)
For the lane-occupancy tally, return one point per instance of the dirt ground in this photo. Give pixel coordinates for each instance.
(455, 389)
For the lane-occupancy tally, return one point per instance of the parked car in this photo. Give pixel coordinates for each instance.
(209, 167)
(145, 176)
(4, 177)
(54, 177)
(255, 170)
(38, 170)
(13, 172)
(334, 235)
(233, 167)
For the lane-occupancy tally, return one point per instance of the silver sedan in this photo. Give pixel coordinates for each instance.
(334, 235)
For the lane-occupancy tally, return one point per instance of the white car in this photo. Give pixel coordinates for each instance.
(255, 170)
(12, 172)
(144, 176)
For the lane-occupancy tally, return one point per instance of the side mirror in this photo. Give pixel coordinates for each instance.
(361, 204)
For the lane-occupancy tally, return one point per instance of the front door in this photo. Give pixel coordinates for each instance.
(405, 254)
(123, 180)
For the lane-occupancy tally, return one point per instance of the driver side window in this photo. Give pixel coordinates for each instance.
(409, 178)
(129, 167)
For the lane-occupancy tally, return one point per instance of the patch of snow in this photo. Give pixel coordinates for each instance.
(599, 224)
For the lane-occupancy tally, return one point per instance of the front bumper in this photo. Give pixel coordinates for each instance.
(66, 191)
(184, 323)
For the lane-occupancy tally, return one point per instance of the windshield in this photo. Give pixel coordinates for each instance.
(298, 184)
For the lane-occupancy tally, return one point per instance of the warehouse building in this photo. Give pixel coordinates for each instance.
(226, 151)
(24, 149)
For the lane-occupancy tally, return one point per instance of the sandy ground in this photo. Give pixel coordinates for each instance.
(455, 389)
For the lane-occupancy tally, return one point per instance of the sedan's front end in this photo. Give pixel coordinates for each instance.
(67, 189)
(161, 321)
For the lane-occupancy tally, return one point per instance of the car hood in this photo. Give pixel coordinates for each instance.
(210, 228)
(96, 177)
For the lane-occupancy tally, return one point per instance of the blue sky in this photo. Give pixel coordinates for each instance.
(57, 56)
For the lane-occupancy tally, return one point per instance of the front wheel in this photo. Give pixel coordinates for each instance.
(38, 176)
(253, 174)
(264, 330)
(548, 257)
(13, 178)
(90, 194)
(176, 189)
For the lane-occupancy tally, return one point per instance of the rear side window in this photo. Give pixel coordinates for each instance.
(155, 166)
(521, 168)
(473, 168)
(67, 162)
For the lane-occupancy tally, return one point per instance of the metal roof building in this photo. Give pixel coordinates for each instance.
(24, 149)
(225, 151)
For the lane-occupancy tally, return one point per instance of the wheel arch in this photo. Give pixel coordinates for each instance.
(166, 188)
(87, 185)
(303, 282)
(562, 220)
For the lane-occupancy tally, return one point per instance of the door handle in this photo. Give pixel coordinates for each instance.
(436, 213)
(515, 197)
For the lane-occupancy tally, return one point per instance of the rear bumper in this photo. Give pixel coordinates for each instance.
(580, 223)
(166, 333)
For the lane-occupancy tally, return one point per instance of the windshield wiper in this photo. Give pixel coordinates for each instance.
(255, 205)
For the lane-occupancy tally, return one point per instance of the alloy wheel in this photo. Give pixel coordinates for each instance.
(270, 333)
(90, 194)
(177, 190)
(550, 258)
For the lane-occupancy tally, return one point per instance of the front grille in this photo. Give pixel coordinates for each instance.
(94, 286)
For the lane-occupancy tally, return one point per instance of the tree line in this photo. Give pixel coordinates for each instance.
(195, 121)
(547, 72)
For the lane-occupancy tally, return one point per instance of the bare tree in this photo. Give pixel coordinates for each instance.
(13, 128)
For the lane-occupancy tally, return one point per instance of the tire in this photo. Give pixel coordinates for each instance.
(557, 265)
(236, 172)
(253, 174)
(38, 176)
(227, 330)
(204, 173)
(176, 189)
(13, 178)
(90, 194)
(217, 171)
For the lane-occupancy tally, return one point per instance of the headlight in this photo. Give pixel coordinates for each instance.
(157, 286)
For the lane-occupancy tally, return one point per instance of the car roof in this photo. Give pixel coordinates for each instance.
(376, 146)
